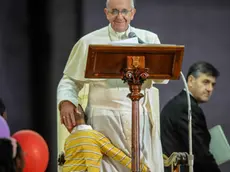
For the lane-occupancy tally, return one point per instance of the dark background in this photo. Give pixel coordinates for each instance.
(36, 38)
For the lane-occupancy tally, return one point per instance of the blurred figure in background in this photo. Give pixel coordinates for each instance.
(3, 109)
(11, 156)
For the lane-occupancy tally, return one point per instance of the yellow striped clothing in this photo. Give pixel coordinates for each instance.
(84, 150)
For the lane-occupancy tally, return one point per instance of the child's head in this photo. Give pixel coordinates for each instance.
(83, 115)
(2, 109)
(11, 156)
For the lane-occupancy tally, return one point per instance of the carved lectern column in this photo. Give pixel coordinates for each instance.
(135, 74)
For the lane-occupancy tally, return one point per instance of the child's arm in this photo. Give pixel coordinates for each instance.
(107, 148)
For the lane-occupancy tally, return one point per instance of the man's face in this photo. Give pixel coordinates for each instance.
(120, 13)
(201, 87)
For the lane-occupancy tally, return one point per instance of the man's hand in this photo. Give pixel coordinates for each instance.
(68, 114)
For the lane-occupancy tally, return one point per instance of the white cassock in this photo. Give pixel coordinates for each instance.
(108, 108)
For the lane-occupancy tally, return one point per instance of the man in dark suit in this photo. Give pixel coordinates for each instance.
(201, 79)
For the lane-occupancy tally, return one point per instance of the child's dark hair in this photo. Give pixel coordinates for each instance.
(2, 107)
(7, 163)
(82, 112)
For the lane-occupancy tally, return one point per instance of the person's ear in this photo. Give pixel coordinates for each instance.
(106, 12)
(191, 80)
(133, 12)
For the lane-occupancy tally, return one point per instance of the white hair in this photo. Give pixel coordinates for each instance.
(132, 3)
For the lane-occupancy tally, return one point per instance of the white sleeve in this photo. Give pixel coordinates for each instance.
(157, 40)
(68, 89)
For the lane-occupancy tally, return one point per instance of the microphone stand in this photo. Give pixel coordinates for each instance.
(190, 155)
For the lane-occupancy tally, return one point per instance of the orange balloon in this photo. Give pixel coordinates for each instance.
(36, 152)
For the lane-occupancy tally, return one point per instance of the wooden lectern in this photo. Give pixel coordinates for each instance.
(134, 64)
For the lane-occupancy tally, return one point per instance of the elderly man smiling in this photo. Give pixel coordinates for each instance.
(108, 108)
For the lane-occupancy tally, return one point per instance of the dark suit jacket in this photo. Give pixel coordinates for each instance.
(174, 132)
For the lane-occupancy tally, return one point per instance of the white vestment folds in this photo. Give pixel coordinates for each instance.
(108, 108)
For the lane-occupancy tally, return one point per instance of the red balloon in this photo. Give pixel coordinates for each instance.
(36, 152)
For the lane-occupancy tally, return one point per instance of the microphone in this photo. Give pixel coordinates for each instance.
(133, 35)
(190, 155)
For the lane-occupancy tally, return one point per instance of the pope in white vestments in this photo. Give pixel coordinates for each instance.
(109, 109)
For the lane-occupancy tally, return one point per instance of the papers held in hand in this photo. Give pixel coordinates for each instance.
(219, 145)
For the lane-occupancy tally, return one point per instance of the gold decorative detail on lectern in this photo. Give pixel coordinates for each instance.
(135, 62)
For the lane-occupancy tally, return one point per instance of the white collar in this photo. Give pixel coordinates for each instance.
(82, 127)
(118, 35)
